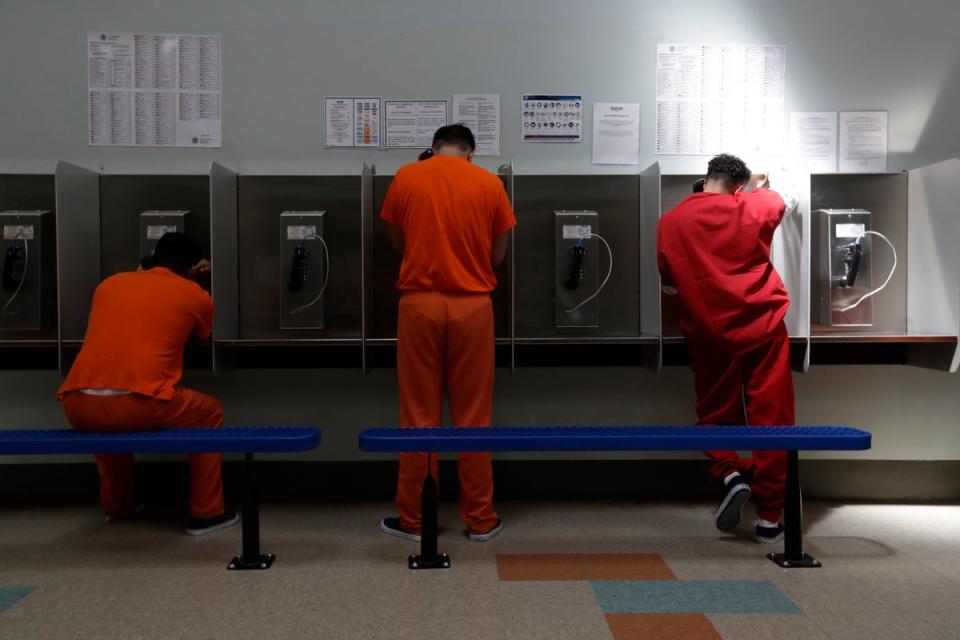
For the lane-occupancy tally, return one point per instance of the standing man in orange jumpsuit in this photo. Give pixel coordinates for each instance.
(450, 219)
(713, 250)
(126, 376)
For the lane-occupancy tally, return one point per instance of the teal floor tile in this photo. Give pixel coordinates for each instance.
(691, 596)
(9, 596)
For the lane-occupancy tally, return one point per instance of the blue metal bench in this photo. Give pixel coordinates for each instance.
(245, 440)
(682, 438)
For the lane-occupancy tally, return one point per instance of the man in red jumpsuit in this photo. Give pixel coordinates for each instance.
(713, 250)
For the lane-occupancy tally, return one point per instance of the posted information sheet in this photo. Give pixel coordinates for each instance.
(616, 133)
(410, 124)
(352, 122)
(480, 112)
(863, 141)
(154, 90)
(720, 98)
(552, 118)
(813, 140)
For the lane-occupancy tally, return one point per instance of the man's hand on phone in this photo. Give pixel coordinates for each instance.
(200, 273)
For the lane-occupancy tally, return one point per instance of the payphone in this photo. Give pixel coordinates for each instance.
(304, 269)
(154, 225)
(26, 289)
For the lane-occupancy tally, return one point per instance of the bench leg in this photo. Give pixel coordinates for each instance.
(793, 556)
(428, 558)
(251, 559)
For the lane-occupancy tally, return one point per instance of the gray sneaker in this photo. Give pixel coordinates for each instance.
(203, 526)
(483, 537)
(391, 527)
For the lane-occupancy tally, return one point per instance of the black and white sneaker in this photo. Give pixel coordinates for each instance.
(391, 527)
(203, 526)
(728, 513)
(768, 533)
(483, 537)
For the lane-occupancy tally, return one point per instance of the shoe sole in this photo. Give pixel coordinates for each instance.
(217, 527)
(403, 535)
(729, 512)
(483, 537)
(763, 540)
(127, 518)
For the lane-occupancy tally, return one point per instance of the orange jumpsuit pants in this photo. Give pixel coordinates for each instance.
(756, 387)
(445, 343)
(134, 412)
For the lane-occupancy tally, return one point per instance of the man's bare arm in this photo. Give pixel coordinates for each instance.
(499, 250)
(396, 238)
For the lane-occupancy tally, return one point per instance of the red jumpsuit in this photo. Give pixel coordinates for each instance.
(714, 250)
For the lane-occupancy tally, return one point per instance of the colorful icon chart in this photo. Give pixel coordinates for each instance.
(552, 118)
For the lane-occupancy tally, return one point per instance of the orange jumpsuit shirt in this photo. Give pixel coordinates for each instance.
(449, 211)
(139, 323)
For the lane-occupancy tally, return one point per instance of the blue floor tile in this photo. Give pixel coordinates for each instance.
(9, 596)
(691, 596)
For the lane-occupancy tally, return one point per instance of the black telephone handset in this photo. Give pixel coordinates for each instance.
(14, 262)
(576, 267)
(854, 262)
(298, 271)
(851, 254)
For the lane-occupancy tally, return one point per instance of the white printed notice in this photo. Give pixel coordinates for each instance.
(616, 133)
(863, 141)
(813, 141)
(720, 98)
(154, 90)
(352, 122)
(552, 118)
(410, 124)
(481, 114)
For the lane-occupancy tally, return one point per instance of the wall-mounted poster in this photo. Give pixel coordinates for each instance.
(154, 90)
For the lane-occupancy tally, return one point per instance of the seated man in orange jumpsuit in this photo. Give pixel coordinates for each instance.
(126, 375)
(450, 219)
(713, 250)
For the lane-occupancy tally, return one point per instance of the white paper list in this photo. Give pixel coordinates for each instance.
(480, 113)
(616, 133)
(412, 123)
(863, 141)
(813, 141)
(110, 61)
(715, 98)
(154, 89)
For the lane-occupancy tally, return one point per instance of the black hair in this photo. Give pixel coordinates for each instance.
(177, 252)
(730, 169)
(455, 135)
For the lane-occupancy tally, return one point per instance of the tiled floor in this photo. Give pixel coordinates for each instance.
(889, 572)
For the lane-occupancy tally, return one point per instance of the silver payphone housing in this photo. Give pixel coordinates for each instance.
(301, 303)
(841, 276)
(28, 293)
(577, 269)
(154, 224)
